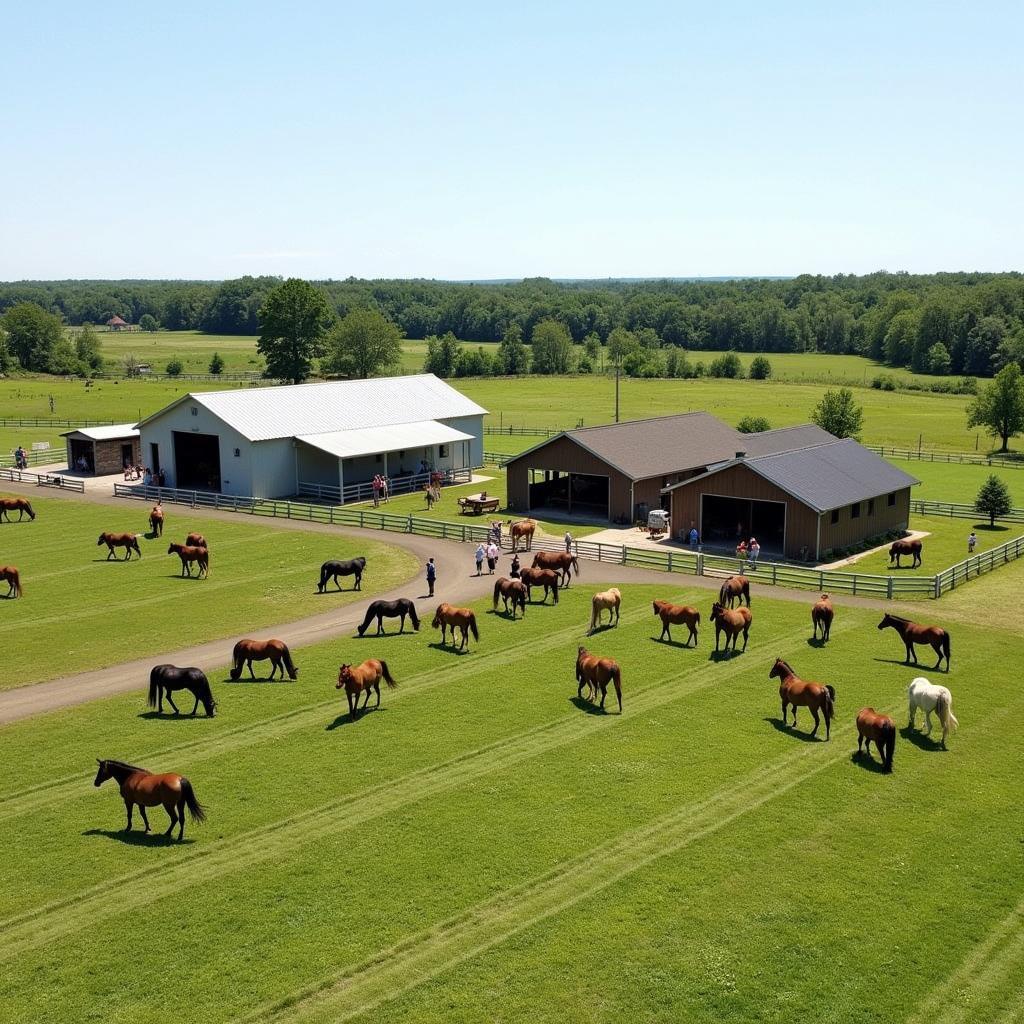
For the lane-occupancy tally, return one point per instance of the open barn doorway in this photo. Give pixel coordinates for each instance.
(196, 461)
(725, 521)
(581, 494)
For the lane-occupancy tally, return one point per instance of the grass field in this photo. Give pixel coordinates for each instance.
(81, 612)
(192, 348)
(487, 848)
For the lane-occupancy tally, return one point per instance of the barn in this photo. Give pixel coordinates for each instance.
(327, 439)
(103, 450)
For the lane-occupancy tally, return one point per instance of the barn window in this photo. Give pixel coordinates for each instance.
(442, 451)
(871, 506)
(891, 501)
(238, 455)
(835, 516)
(855, 510)
(195, 411)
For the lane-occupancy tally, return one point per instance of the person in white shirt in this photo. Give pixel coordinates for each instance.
(568, 542)
(492, 557)
(480, 552)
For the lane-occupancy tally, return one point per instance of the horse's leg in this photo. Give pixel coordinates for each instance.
(927, 722)
(128, 807)
(860, 740)
(170, 700)
(195, 706)
(817, 720)
(359, 581)
(401, 628)
(910, 652)
(366, 697)
(252, 675)
(912, 709)
(784, 714)
(351, 705)
(937, 648)
(110, 552)
(337, 582)
(376, 686)
(145, 820)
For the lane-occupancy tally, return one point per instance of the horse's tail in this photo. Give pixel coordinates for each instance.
(413, 617)
(830, 700)
(286, 656)
(29, 509)
(617, 680)
(575, 565)
(945, 648)
(236, 661)
(723, 594)
(195, 808)
(593, 613)
(746, 591)
(889, 732)
(154, 689)
(386, 672)
(472, 626)
(497, 588)
(944, 709)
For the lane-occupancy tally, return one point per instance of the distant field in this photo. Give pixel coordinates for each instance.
(193, 348)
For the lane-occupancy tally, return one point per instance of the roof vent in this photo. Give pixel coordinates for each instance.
(741, 455)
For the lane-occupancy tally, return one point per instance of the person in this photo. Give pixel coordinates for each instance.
(480, 552)
(20, 458)
(513, 569)
(431, 576)
(741, 549)
(376, 490)
(755, 550)
(384, 488)
(82, 465)
(429, 491)
(492, 557)
(147, 477)
(568, 542)
(161, 478)
(424, 468)
(694, 537)
(972, 540)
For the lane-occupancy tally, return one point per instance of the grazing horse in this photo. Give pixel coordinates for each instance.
(510, 590)
(9, 574)
(596, 673)
(882, 729)
(8, 505)
(546, 578)
(141, 787)
(803, 693)
(165, 678)
(380, 610)
(247, 651)
(156, 520)
(332, 570)
(822, 614)
(735, 588)
(561, 561)
(899, 548)
(188, 555)
(609, 601)
(463, 618)
(911, 633)
(676, 615)
(128, 541)
(197, 540)
(363, 678)
(524, 531)
(731, 622)
(929, 697)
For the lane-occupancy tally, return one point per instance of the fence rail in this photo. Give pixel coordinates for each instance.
(39, 421)
(522, 431)
(35, 458)
(364, 491)
(976, 565)
(499, 459)
(23, 476)
(961, 511)
(960, 458)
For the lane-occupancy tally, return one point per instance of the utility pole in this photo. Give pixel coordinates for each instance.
(616, 390)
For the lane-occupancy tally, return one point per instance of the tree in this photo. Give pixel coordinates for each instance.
(839, 414)
(760, 368)
(217, 364)
(753, 425)
(592, 349)
(513, 355)
(174, 368)
(148, 322)
(441, 355)
(293, 321)
(363, 344)
(993, 499)
(32, 335)
(620, 343)
(131, 365)
(552, 347)
(87, 348)
(938, 361)
(999, 406)
(64, 359)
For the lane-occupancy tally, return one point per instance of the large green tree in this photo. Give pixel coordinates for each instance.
(552, 347)
(363, 344)
(87, 347)
(999, 406)
(32, 335)
(839, 414)
(513, 355)
(293, 322)
(993, 499)
(442, 354)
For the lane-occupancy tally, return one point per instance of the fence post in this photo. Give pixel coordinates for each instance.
(888, 588)
(623, 554)
(700, 563)
(670, 561)
(938, 586)
(774, 575)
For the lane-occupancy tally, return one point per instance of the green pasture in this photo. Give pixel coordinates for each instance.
(81, 612)
(486, 847)
(955, 482)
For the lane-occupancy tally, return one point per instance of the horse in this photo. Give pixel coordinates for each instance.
(596, 673)
(23, 505)
(128, 541)
(188, 555)
(911, 633)
(247, 651)
(733, 589)
(351, 567)
(156, 521)
(196, 540)
(141, 787)
(363, 678)
(899, 548)
(677, 614)
(803, 693)
(732, 623)
(380, 610)
(448, 615)
(9, 574)
(165, 678)
(822, 614)
(510, 590)
(546, 578)
(559, 560)
(929, 697)
(882, 729)
(523, 530)
(607, 600)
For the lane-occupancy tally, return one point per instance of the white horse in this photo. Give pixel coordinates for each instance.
(607, 600)
(928, 697)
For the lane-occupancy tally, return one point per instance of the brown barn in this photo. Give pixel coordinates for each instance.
(102, 450)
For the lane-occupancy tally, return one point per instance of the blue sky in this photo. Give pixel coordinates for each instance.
(560, 139)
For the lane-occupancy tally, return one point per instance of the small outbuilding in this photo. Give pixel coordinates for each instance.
(115, 323)
(103, 450)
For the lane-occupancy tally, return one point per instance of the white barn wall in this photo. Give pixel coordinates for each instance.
(316, 467)
(470, 425)
(274, 467)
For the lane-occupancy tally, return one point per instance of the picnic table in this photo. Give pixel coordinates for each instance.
(478, 504)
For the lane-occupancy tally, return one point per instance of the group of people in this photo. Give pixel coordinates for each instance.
(380, 489)
(492, 553)
(749, 551)
(20, 458)
(156, 479)
(134, 472)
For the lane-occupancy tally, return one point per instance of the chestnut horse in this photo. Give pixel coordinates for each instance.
(463, 618)
(803, 693)
(128, 541)
(156, 520)
(911, 633)
(510, 590)
(929, 697)
(676, 615)
(733, 589)
(247, 651)
(822, 614)
(196, 540)
(905, 547)
(141, 787)
(609, 601)
(596, 673)
(546, 578)
(188, 555)
(9, 575)
(523, 530)
(561, 561)
(8, 505)
(731, 622)
(363, 678)
(882, 729)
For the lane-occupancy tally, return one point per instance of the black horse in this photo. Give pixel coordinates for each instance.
(329, 570)
(391, 610)
(165, 678)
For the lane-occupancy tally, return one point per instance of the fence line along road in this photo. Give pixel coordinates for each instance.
(23, 476)
(40, 421)
(961, 511)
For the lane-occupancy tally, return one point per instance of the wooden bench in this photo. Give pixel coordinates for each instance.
(478, 506)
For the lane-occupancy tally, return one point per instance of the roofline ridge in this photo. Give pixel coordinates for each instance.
(647, 419)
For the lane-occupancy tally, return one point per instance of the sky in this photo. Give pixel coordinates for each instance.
(474, 141)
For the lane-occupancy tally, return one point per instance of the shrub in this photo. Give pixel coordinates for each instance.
(884, 382)
(727, 365)
(148, 322)
(753, 425)
(216, 364)
(174, 368)
(760, 368)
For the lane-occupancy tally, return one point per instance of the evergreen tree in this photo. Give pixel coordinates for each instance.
(993, 499)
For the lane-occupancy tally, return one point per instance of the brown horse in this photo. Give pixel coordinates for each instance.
(510, 590)
(731, 622)
(802, 693)
(822, 614)
(363, 678)
(141, 787)
(596, 673)
(911, 633)
(188, 555)
(561, 561)
(9, 505)
(733, 589)
(247, 651)
(677, 615)
(899, 548)
(463, 618)
(609, 601)
(9, 575)
(196, 540)
(128, 541)
(156, 520)
(524, 531)
(882, 729)
(546, 578)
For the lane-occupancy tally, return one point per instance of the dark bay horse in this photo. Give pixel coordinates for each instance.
(882, 729)
(9, 574)
(141, 787)
(332, 570)
(677, 615)
(156, 520)
(797, 692)
(9, 505)
(128, 541)
(381, 610)
(188, 555)
(898, 548)
(165, 678)
(596, 673)
(196, 540)
(560, 561)
(522, 531)
(248, 651)
(546, 578)
(733, 589)
(822, 614)
(356, 679)
(911, 633)
(463, 618)
(731, 622)
(509, 590)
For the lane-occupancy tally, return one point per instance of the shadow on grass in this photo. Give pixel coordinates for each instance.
(346, 719)
(186, 578)
(921, 740)
(868, 763)
(447, 648)
(796, 733)
(138, 838)
(508, 616)
(816, 642)
(385, 635)
(602, 628)
(584, 705)
(170, 716)
(674, 643)
(724, 655)
(266, 681)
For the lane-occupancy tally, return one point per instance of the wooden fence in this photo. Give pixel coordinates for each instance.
(961, 511)
(23, 476)
(959, 458)
(38, 458)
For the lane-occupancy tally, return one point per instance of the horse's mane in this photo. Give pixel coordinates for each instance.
(897, 618)
(782, 661)
(126, 766)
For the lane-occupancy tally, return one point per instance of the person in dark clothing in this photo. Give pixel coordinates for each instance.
(431, 576)
(513, 569)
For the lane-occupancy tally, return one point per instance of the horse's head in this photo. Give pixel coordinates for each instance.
(716, 610)
(581, 653)
(886, 621)
(779, 669)
(103, 773)
(824, 597)
(210, 705)
(344, 676)
(101, 540)
(170, 549)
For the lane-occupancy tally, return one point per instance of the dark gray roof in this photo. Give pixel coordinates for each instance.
(784, 439)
